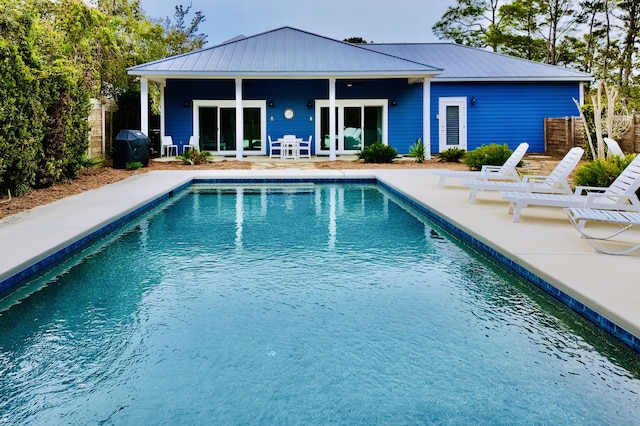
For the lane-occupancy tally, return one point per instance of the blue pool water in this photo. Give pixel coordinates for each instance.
(330, 305)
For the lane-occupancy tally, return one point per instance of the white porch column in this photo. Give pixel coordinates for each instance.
(162, 111)
(144, 106)
(426, 117)
(332, 119)
(239, 120)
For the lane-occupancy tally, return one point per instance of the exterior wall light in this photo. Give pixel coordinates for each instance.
(473, 100)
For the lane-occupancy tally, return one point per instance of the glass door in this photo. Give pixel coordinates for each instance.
(352, 128)
(252, 130)
(215, 123)
(208, 118)
(359, 123)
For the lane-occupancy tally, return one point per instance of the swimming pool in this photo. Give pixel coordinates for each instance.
(328, 304)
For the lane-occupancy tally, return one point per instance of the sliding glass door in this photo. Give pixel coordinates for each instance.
(215, 123)
(359, 123)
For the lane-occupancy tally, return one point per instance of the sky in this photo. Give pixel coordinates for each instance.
(379, 21)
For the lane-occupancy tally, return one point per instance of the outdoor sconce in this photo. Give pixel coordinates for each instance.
(185, 104)
(271, 104)
(310, 104)
(473, 100)
(394, 103)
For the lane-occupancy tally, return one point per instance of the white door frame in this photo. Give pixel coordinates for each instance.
(262, 104)
(340, 105)
(443, 103)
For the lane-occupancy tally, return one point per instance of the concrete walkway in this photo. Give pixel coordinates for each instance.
(543, 241)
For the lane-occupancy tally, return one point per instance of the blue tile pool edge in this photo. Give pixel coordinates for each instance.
(585, 311)
(599, 320)
(8, 284)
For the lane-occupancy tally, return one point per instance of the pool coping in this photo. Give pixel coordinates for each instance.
(544, 248)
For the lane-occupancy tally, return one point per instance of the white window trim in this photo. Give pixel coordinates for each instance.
(341, 103)
(262, 104)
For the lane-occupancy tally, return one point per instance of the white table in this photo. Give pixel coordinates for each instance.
(290, 148)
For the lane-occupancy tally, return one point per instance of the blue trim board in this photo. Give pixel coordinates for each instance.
(574, 304)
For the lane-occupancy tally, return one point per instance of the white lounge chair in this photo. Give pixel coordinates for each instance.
(624, 221)
(505, 172)
(621, 195)
(612, 147)
(555, 182)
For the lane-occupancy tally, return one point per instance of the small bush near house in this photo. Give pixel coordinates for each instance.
(90, 162)
(601, 172)
(193, 156)
(134, 165)
(417, 151)
(492, 155)
(378, 153)
(451, 155)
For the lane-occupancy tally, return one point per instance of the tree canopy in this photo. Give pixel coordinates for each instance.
(599, 37)
(55, 56)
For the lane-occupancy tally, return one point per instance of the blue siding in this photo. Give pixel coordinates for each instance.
(178, 93)
(504, 113)
(294, 94)
(507, 112)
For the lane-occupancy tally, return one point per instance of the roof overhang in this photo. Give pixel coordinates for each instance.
(163, 76)
(522, 79)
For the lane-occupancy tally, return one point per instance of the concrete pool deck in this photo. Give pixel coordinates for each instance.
(543, 242)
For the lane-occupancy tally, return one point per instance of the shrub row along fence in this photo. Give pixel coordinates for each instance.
(562, 134)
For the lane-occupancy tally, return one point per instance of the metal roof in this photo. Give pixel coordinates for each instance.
(462, 63)
(291, 53)
(284, 52)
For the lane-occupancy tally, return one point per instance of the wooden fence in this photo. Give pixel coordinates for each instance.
(562, 134)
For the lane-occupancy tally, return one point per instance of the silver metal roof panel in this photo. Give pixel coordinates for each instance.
(285, 52)
(462, 63)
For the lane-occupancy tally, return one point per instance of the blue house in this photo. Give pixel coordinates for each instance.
(236, 95)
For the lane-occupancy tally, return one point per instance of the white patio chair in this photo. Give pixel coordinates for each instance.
(167, 146)
(505, 172)
(194, 143)
(305, 146)
(621, 195)
(624, 221)
(613, 148)
(274, 146)
(555, 182)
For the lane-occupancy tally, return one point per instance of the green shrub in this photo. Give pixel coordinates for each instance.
(134, 165)
(601, 172)
(417, 151)
(452, 155)
(193, 156)
(492, 155)
(378, 153)
(90, 162)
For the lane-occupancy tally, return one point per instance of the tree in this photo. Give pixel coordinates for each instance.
(180, 37)
(630, 18)
(472, 23)
(356, 40)
(521, 30)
